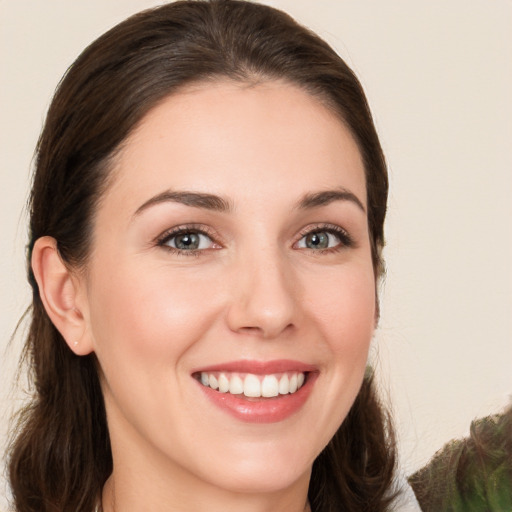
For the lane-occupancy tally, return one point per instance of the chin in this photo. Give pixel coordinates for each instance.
(261, 469)
(265, 478)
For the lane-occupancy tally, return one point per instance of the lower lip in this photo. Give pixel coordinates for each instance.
(264, 410)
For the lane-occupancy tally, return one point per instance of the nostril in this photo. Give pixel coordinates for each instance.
(267, 332)
(251, 329)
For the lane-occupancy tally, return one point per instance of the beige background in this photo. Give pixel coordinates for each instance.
(438, 75)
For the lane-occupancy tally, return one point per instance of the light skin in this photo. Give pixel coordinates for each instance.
(259, 173)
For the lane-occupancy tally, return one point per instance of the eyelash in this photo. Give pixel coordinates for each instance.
(345, 240)
(165, 237)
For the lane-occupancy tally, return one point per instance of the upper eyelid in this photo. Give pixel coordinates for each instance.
(185, 228)
(322, 226)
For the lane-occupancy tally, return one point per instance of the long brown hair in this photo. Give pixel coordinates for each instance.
(60, 457)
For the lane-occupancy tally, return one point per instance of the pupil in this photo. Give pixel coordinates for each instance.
(187, 241)
(317, 241)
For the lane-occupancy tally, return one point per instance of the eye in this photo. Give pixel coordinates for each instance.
(322, 238)
(189, 241)
(318, 240)
(186, 240)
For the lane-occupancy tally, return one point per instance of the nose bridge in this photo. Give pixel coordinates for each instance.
(263, 299)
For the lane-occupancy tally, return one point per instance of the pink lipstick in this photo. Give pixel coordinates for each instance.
(258, 391)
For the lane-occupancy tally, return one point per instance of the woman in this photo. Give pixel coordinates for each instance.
(206, 233)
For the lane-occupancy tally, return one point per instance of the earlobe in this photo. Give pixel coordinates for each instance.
(60, 292)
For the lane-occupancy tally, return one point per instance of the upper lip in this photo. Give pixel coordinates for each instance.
(259, 367)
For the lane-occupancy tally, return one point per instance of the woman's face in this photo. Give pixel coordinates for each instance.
(231, 251)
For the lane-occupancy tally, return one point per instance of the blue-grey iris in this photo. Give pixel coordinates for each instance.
(317, 240)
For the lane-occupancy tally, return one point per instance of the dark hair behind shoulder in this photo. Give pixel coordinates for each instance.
(60, 457)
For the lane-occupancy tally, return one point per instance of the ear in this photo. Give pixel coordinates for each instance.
(62, 293)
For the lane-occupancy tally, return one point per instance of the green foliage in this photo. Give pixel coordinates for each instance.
(470, 475)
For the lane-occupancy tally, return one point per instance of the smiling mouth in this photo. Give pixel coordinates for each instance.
(252, 386)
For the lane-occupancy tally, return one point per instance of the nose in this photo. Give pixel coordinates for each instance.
(263, 299)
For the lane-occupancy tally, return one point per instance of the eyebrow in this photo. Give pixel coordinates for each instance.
(325, 197)
(219, 204)
(194, 199)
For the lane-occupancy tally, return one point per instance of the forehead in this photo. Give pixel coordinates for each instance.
(234, 139)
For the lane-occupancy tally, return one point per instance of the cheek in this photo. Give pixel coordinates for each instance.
(155, 316)
(144, 329)
(342, 308)
(345, 309)
(345, 313)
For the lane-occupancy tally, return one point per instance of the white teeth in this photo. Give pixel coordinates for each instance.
(213, 382)
(236, 386)
(293, 383)
(223, 383)
(284, 385)
(269, 386)
(254, 386)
